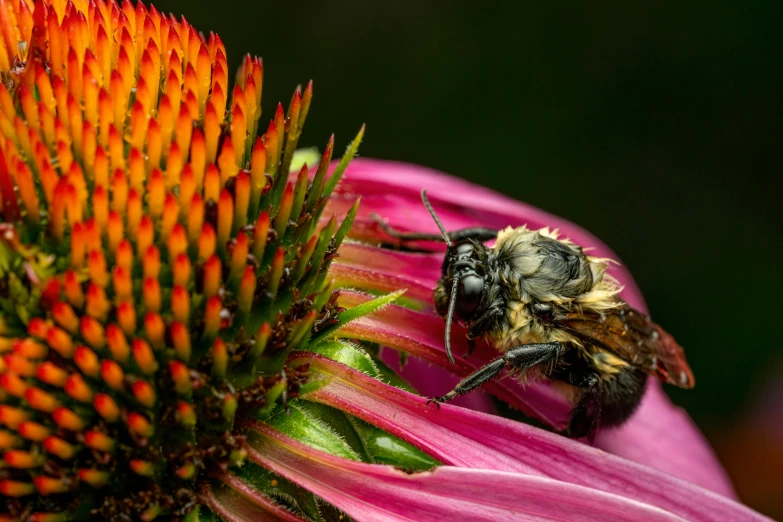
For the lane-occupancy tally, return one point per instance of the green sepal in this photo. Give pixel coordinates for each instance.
(310, 283)
(291, 496)
(271, 397)
(309, 156)
(338, 172)
(340, 424)
(357, 312)
(194, 516)
(320, 176)
(372, 444)
(384, 448)
(301, 421)
(346, 225)
(331, 430)
(300, 190)
(313, 385)
(348, 354)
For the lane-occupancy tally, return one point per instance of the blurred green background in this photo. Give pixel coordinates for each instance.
(657, 127)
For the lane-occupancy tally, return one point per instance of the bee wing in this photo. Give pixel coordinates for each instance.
(633, 337)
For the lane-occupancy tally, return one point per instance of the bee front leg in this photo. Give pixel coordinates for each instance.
(520, 358)
(489, 320)
(473, 381)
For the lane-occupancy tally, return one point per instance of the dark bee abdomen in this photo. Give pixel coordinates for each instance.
(621, 395)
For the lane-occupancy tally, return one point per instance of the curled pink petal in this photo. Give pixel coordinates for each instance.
(343, 276)
(422, 267)
(368, 268)
(241, 503)
(466, 438)
(381, 493)
(392, 189)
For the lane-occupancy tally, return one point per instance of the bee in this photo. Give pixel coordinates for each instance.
(553, 312)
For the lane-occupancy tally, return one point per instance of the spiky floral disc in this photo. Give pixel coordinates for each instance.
(156, 266)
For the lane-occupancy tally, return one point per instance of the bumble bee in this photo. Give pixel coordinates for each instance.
(554, 312)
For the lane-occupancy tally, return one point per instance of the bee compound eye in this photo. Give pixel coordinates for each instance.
(469, 292)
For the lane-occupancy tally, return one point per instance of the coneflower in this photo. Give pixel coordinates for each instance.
(157, 265)
(177, 342)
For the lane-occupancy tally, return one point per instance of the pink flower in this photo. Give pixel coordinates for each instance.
(655, 467)
(659, 435)
(187, 333)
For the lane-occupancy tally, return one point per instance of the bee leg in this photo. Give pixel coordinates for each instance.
(478, 233)
(520, 358)
(473, 381)
(489, 320)
(587, 413)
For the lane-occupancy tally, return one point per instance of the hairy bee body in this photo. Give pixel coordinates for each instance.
(536, 267)
(539, 289)
(552, 311)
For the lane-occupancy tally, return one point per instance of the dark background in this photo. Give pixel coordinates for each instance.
(657, 127)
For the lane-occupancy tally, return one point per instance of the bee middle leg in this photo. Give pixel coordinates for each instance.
(520, 358)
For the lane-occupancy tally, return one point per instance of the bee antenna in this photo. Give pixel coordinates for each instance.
(437, 222)
(449, 315)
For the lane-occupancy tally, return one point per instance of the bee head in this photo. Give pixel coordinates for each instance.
(462, 286)
(463, 279)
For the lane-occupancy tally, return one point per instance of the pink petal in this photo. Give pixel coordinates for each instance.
(392, 189)
(382, 493)
(466, 438)
(668, 440)
(431, 380)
